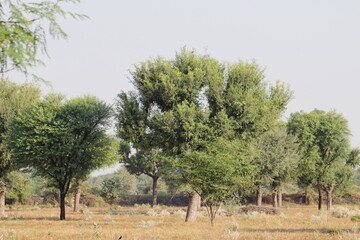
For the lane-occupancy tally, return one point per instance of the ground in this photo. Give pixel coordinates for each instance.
(141, 222)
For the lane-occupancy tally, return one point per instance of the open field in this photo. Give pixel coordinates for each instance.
(168, 223)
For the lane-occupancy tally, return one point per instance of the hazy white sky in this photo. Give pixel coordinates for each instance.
(314, 45)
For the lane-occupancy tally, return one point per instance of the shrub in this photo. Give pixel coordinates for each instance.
(91, 200)
(340, 212)
(355, 218)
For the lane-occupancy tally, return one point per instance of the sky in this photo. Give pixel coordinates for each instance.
(312, 45)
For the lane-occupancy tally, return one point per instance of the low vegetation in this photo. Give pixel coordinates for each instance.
(142, 222)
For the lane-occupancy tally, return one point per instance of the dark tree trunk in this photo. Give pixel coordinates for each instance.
(329, 199)
(2, 202)
(279, 196)
(274, 200)
(154, 191)
(62, 204)
(192, 208)
(320, 197)
(258, 194)
(77, 198)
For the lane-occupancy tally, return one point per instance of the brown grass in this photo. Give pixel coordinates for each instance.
(133, 223)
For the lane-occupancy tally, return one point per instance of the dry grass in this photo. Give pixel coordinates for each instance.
(136, 223)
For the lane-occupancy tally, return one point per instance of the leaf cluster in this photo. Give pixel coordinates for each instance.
(24, 26)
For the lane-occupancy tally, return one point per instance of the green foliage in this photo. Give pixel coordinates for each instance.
(129, 182)
(275, 157)
(326, 157)
(23, 31)
(355, 218)
(216, 171)
(112, 187)
(63, 140)
(19, 187)
(183, 106)
(13, 98)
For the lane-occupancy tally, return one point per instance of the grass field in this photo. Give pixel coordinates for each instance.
(168, 223)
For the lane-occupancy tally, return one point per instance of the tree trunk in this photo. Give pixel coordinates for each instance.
(320, 197)
(77, 198)
(274, 200)
(154, 191)
(192, 208)
(258, 194)
(306, 197)
(2, 202)
(329, 192)
(212, 210)
(62, 204)
(279, 196)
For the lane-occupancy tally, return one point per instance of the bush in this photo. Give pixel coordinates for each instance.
(340, 212)
(355, 218)
(91, 200)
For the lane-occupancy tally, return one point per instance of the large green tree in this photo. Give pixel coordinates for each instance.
(13, 98)
(323, 138)
(183, 104)
(24, 26)
(63, 140)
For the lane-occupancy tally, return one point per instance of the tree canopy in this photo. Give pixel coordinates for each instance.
(13, 98)
(323, 138)
(182, 105)
(275, 159)
(63, 140)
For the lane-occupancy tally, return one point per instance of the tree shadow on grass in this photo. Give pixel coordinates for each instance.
(301, 230)
(34, 219)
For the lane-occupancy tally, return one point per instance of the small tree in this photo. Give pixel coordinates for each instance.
(63, 140)
(150, 163)
(216, 172)
(275, 159)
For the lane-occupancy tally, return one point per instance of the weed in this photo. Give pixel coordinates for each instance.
(335, 231)
(341, 212)
(355, 218)
(96, 230)
(232, 229)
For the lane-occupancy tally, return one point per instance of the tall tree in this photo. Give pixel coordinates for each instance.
(23, 31)
(13, 98)
(146, 118)
(323, 138)
(181, 105)
(63, 140)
